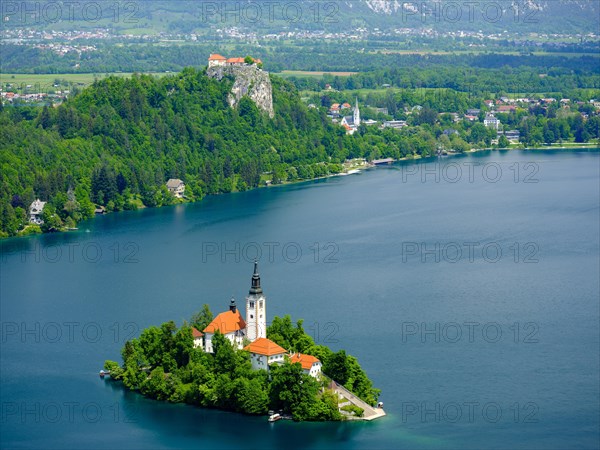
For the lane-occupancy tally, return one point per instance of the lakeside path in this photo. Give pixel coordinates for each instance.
(370, 413)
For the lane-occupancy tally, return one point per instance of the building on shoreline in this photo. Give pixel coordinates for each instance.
(35, 212)
(491, 121)
(176, 187)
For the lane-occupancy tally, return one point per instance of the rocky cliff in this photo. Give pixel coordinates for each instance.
(250, 81)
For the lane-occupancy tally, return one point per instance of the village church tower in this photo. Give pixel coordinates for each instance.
(256, 309)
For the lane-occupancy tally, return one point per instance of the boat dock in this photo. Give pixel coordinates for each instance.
(379, 162)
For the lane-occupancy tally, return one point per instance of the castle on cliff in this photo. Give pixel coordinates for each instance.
(216, 60)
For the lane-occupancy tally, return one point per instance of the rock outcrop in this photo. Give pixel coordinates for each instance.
(250, 81)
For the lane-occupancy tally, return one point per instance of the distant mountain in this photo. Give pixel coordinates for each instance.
(264, 16)
(548, 16)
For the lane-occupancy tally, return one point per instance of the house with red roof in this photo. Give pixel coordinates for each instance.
(310, 364)
(235, 61)
(506, 108)
(230, 324)
(264, 352)
(197, 336)
(216, 60)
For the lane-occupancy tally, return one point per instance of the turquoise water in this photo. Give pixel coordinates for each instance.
(470, 298)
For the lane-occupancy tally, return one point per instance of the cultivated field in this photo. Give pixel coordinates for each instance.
(308, 73)
(21, 82)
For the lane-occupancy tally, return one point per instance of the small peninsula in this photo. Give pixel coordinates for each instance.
(242, 365)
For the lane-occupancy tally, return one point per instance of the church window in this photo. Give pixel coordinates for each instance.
(251, 316)
(251, 304)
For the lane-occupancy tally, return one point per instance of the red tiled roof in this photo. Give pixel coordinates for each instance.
(216, 57)
(235, 60)
(196, 333)
(226, 322)
(306, 361)
(264, 346)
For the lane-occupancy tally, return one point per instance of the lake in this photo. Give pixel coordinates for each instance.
(467, 287)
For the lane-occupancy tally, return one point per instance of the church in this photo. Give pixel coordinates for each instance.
(253, 329)
(351, 123)
(232, 325)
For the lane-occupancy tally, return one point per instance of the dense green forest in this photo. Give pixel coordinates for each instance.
(117, 142)
(163, 364)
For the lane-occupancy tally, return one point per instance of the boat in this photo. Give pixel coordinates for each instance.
(275, 417)
(102, 373)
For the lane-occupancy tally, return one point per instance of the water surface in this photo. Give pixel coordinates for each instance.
(471, 348)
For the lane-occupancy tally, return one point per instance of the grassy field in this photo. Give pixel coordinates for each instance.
(45, 82)
(308, 73)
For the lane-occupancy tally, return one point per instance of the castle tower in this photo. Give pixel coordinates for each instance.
(356, 115)
(256, 309)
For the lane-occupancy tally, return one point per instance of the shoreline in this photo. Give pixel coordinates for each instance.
(360, 164)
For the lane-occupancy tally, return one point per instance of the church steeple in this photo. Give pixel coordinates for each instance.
(255, 287)
(356, 115)
(256, 309)
(232, 306)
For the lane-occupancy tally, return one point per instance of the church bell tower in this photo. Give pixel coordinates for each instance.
(356, 115)
(256, 309)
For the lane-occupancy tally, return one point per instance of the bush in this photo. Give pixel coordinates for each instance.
(358, 412)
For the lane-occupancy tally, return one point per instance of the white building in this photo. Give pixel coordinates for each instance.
(197, 336)
(310, 364)
(216, 60)
(264, 352)
(397, 124)
(230, 324)
(256, 309)
(35, 212)
(491, 121)
(176, 187)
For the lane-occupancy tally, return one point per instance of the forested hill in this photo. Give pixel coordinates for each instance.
(116, 143)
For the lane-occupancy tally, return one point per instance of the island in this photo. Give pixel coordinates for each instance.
(242, 365)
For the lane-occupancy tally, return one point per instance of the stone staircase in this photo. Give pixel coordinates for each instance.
(370, 413)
